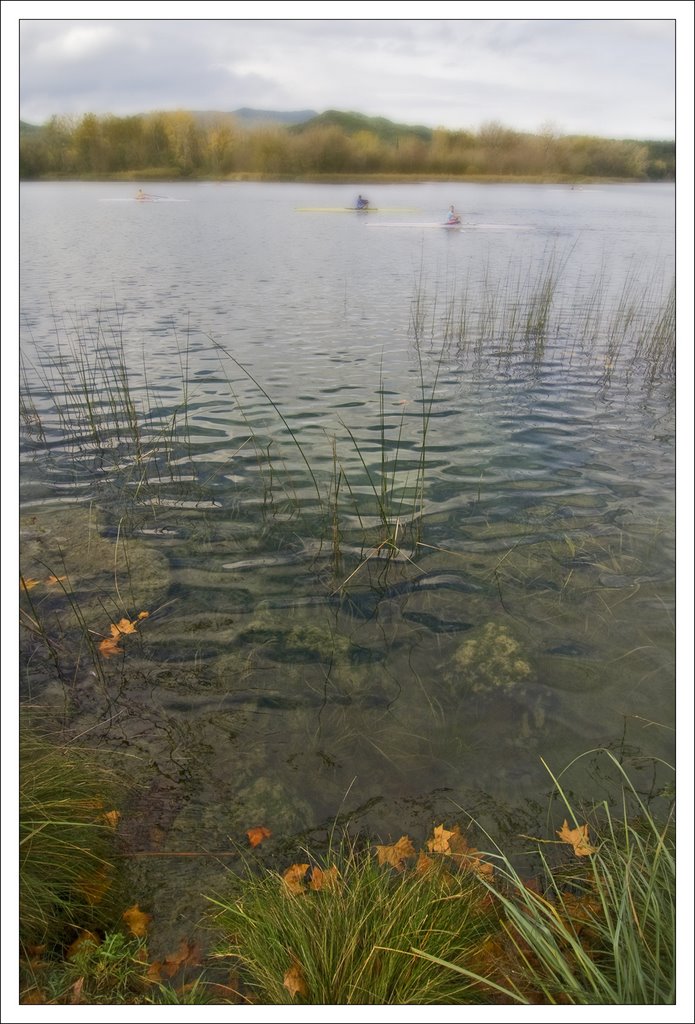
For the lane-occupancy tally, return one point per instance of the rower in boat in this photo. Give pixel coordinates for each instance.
(452, 216)
(361, 203)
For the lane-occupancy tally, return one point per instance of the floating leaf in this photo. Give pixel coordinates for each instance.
(321, 879)
(578, 838)
(397, 853)
(467, 857)
(425, 864)
(109, 647)
(123, 626)
(137, 920)
(258, 834)
(439, 843)
(293, 878)
(187, 955)
(295, 982)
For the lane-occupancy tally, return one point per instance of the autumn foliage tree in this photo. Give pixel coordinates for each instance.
(182, 144)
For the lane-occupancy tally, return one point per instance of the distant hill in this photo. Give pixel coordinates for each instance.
(252, 118)
(351, 123)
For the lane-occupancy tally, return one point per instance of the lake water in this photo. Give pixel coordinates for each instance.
(225, 394)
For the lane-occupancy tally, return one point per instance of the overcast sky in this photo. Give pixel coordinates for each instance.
(611, 77)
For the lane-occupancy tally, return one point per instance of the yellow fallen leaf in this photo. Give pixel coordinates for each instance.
(112, 818)
(396, 854)
(293, 878)
(52, 580)
(439, 843)
(467, 857)
(30, 583)
(144, 615)
(425, 864)
(137, 920)
(578, 838)
(295, 982)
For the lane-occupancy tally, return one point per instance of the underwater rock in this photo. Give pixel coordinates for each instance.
(492, 662)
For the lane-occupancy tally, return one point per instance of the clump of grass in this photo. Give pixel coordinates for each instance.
(341, 944)
(602, 931)
(66, 839)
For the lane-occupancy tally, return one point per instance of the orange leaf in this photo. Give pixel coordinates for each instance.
(321, 879)
(30, 583)
(397, 853)
(424, 864)
(124, 626)
(137, 920)
(577, 838)
(188, 954)
(467, 857)
(109, 647)
(258, 834)
(144, 615)
(76, 990)
(112, 818)
(439, 843)
(294, 981)
(82, 939)
(55, 579)
(293, 878)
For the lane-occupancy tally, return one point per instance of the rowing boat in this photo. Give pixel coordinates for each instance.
(356, 209)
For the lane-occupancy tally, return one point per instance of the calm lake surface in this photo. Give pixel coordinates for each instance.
(224, 398)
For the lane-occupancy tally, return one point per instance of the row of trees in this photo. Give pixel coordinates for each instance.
(181, 144)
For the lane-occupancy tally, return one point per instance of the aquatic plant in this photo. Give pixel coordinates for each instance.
(599, 929)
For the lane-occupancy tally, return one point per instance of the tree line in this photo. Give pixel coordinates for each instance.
(179, 144)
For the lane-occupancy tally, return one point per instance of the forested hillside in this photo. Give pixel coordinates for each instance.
(181, 144)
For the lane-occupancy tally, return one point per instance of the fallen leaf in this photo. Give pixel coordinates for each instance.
(83, 939)
(124, 626)
(258, 834)
(577, 838)
(425, 864)
(112, 818)
(144, 615)
(109, 647)
(188, 954)
(293, 878)
(467, 857)
(137, 920)
(76, 991)
(321, 879)
(52, 580)
(396, 854)
(30, 583)
(439, 843)
(294, 981)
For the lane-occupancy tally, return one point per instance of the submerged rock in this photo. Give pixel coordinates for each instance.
(492, 662)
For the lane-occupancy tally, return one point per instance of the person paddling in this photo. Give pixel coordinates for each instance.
(361, 203)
